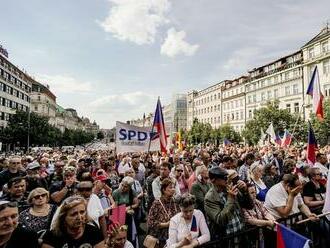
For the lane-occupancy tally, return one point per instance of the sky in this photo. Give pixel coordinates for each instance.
(111, 59)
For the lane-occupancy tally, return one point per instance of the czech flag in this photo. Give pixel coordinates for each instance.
(286, 140)
(314, 90)
(286, 238)
(311, 146)
(159, 126)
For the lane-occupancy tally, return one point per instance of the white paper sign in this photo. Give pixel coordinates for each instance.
(131, 138)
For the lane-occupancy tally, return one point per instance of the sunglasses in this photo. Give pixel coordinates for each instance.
(85, 189)
(39, 196)
(179, 170)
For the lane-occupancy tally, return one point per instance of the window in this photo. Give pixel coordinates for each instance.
(254, 98)
(39, 98)
(295, 89)
(311, 53)
(249, 99)
(250, 114)
(269, 94)
(236, 103)
(211, 108)
(288, 107)
(218, 95)
(287, 76)
(326, 66)
(242, 115)
(263, 96)
(287, 90)
(237, 115)
(262, 83)
(296, 107)
(325, 47)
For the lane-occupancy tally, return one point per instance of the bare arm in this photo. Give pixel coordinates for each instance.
(310, 203)
(284, 211)
(46, 246)
(58, 196)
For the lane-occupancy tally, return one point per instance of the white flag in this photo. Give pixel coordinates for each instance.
(271, 132)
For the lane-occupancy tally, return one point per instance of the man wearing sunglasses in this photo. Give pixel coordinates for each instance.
(14, 170)
(12, 235)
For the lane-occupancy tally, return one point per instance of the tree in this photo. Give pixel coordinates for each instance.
(322, 128)
(227, 132)
(203, 133)
(281, 119)
(41, 133)
(100, 135)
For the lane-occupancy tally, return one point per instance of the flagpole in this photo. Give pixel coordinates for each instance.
(295, 125)
(308, 219)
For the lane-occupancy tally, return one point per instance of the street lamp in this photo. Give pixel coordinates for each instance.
(28, 135)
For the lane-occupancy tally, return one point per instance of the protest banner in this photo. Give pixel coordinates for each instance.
(131, 138)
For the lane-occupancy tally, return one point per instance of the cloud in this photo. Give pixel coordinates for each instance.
(136, 20)
(123, 107)
(64, 84)
(175, 44)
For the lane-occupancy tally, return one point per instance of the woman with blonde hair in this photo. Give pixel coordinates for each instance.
(39, 216)
(72, 228)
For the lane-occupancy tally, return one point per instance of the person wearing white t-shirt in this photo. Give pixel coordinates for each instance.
(284, 198)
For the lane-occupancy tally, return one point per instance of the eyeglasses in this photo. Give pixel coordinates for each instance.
(39, 196)
(179, 170)
(84, 189)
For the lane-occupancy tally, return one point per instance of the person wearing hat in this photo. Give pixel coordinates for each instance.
(103, 190)
(33, 178)
(223, 204)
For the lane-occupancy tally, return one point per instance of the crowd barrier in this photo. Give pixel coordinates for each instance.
(257, 237)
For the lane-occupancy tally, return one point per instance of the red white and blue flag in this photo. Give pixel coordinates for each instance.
(286, 140)
(286, 238)
(159, 127)
(311, 146)
(314, 90)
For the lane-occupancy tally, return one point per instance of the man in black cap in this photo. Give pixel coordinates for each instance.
(223, 204)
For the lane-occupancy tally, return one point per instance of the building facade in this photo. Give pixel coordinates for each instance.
(316, 52)
(285, 79)
(43, 101)
(280, 80)
(205, 106)
(15, 87)
(233, 103)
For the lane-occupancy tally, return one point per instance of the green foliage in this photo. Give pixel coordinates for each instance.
(100, 135)
(281, 119)
(322, 128)
(203, 133)
(41, 132)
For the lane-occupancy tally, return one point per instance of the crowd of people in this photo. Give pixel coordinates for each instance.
(186, 198)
